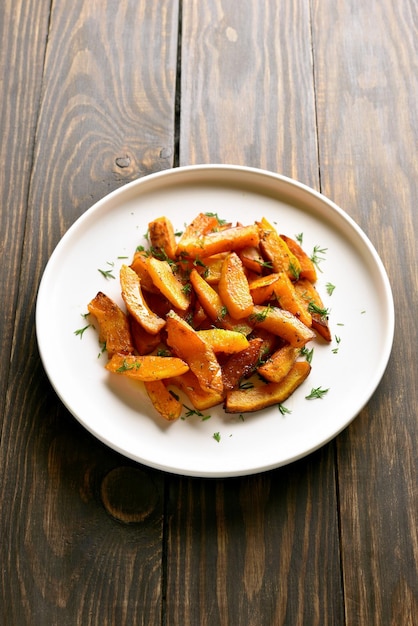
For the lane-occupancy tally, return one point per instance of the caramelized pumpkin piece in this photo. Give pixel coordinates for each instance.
(113, 325)
(277, 252)
(202, 224)
(242, 364)
(164, 402)
(135, 302)
(222, 340)
(265, 395)
(288, 299)
(162, 238)
(143, 341)
(201, 399)
(262, 288)
(148, 367)
(252, 259)
(233, 287)
(140, 266)
(169, 285)
(311, 299)
(279, 364)
(283, 324)
(220, 241)
(212, 303)
(307, 268)
(186, 343)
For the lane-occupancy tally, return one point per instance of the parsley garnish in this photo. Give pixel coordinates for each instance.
(217, 437)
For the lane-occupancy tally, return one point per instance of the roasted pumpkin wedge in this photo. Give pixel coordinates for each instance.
(265, 395)
(114, 331)
(135, 301)
(194, 350)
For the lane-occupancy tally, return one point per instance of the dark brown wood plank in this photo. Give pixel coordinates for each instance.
(82, 529)
(21, 31)
(261, 549)
(256, 550)
(366, 83)
(247, 86)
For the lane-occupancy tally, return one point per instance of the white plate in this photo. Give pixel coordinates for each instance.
(118, 412)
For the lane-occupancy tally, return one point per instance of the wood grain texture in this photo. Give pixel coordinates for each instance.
(82, 527)
(247, 86)
(324, 91)
(366, 84)
(256, 550)
(21, 82)
(259, 550)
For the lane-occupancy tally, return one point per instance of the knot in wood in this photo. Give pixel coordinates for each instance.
(122, 162)
(129, 494)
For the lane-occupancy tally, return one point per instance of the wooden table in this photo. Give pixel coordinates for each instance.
(98, 93)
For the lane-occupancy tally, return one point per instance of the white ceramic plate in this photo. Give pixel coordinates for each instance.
(118, 412)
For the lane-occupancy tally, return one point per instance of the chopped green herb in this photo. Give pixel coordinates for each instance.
(316, 393)
(294, 270)
(316, 257)
(128, 366)
(108, 273)
(308, 354)
(283, 410)
(80, 331)
(245, 384)
(221, 222)
(223, 312)
(337, 340)
(191, 412)
(260, 317)
(314, 308)
(217, 437)
(163, 352)
(267, 264)
(330, 288)
(299, 238)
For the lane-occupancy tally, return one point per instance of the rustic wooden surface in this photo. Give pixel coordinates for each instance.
(98, 93)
